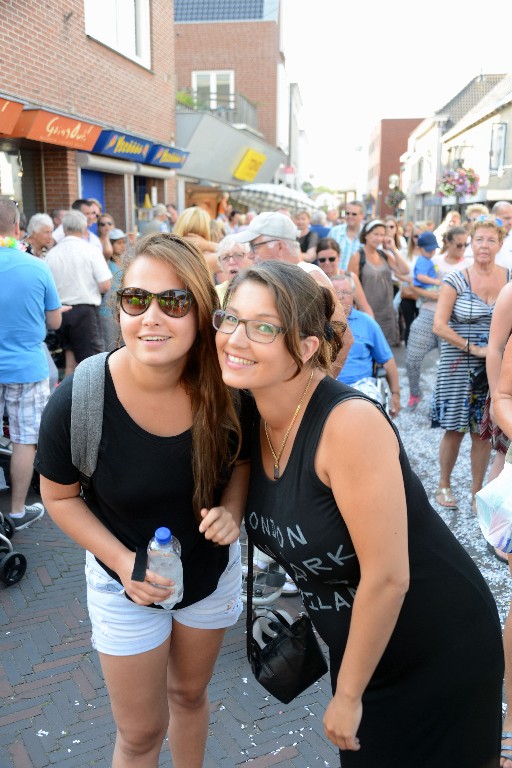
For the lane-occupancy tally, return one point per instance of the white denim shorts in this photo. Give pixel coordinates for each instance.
(120, 627)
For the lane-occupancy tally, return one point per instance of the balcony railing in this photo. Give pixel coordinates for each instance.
(233, 108)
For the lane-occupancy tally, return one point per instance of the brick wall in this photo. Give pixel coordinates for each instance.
(50, 61)
(59, 167)
(115, 199)
(251, 49)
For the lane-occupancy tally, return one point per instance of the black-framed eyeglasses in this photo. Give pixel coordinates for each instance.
(176, 302)
(256, 330)
(323, 259)
(459, 245)
(263, 242)
(105, 223)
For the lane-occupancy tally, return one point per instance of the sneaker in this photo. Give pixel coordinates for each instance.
(32, 513)
(413, 401)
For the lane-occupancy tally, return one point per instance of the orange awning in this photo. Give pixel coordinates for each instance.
(9, 114)
(40, 125)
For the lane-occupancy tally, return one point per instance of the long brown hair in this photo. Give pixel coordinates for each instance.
(305, 309)
(214, 417)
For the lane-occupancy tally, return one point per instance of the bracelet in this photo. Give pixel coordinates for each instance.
(466, 346)
(395, 393)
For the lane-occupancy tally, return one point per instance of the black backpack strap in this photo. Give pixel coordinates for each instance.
(87, 398)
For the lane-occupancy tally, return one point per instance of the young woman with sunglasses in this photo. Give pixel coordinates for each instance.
(328, 259)
(413, 633)
(169, 442)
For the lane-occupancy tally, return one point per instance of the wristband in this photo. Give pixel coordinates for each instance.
(395, 393)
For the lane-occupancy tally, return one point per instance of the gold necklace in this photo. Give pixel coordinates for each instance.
(285, 438)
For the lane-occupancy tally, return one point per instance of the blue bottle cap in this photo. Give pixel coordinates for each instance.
(163, 535)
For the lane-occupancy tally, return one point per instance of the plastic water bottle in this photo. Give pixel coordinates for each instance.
(164, 558)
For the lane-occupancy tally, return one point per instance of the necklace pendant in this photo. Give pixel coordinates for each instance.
(276, 471)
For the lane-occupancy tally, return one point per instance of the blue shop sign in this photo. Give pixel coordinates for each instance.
(167, 157)
(123, 146)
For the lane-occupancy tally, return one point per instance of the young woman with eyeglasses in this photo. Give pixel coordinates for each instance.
(413, 633)
(169, 442)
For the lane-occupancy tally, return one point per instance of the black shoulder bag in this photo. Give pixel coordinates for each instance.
(291, 660)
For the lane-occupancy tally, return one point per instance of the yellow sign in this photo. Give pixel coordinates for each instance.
(248, 168)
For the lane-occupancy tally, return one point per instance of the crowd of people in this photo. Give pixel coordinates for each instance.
(255, 341)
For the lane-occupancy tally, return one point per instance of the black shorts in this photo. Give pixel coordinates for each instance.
(80, 331)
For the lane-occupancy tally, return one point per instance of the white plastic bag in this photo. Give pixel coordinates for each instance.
(494, 510)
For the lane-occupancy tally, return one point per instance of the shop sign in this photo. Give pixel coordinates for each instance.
(123, 146)
(39, 125)
(9, 114)
(167, 157)
(249, 166)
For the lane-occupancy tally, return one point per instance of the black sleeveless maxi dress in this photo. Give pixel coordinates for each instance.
(434, 700)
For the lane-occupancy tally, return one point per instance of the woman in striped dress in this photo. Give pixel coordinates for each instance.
(462, 320)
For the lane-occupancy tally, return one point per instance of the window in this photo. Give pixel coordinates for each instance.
(123, 25)
(214, 90)
(498, 143)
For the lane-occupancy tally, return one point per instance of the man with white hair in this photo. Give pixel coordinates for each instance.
(39, 235)
(159, 222)
(272, 236)
(82, 276)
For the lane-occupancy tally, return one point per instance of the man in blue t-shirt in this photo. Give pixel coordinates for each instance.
(29, 305)
(369, 347)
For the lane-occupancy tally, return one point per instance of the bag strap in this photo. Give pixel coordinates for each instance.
(249, 582)
(87, 398)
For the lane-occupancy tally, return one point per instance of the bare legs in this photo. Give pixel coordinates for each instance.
(22, 468)
(449, 451)
(165, 688)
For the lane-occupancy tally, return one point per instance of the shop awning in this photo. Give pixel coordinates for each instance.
(9, 114)
(52, 128)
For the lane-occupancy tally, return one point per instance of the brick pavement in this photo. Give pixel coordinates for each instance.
(54, 707)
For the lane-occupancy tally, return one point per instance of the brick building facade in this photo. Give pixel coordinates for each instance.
(56, 58)
(250, 49)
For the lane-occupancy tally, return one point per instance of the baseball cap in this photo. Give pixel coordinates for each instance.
(428, 241)
(116, 234)
(271, 224)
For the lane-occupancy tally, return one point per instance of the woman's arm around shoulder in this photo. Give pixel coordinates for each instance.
(501, 327)
(358, 458)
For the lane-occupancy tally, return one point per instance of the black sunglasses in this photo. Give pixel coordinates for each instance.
(176, 302)
(322, 259)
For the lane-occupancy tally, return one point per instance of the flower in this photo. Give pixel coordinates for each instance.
(394, 198)
(459, 182)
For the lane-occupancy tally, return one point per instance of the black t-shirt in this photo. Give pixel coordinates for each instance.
(141, 482)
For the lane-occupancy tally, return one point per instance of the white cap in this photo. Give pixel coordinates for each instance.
(271, 224)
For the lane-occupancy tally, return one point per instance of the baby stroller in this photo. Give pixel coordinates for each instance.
(12, 564)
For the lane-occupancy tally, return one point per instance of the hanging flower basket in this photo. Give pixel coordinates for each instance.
(394, 198)
(459, 182)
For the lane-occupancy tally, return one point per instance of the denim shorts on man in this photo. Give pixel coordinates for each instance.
(121, 627)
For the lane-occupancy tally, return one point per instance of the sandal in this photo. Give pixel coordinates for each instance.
(444, 498)
(506, 750)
